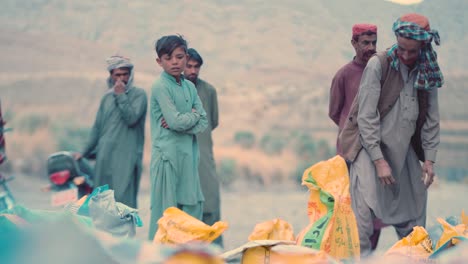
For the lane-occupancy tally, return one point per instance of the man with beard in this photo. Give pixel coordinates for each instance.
(392, 126)
(117, 136)
(345, 84)
(206, 169)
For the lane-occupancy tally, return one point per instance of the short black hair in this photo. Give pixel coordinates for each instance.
(194, 55)
(167, 44)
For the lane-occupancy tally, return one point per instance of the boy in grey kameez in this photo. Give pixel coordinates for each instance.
(386, 178)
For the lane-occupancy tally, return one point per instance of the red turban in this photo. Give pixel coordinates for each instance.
(421, 20)
(358, 29)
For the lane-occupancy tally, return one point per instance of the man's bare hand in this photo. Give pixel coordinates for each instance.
(77, 155)
(384, 172)
(119, 87)
(163, 123)
(428, 173)
(194, 110)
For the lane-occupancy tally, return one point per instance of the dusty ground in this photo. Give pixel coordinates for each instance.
(243, 207)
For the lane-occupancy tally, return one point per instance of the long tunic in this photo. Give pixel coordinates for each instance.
(344, 87)
(175, 153)
(117, 139)
(390, 138)
(207, 169)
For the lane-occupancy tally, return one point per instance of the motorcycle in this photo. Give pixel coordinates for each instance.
(69, 179)
(7, 201)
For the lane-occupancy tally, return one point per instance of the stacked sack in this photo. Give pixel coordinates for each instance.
(421, 245)
(274, 242)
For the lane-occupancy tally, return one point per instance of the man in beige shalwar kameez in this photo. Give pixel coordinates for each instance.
(387, 179)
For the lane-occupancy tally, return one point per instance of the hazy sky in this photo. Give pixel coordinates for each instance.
(406, 2)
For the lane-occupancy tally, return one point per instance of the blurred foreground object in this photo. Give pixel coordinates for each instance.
(277, 251)
(275, 229)
(178, 227)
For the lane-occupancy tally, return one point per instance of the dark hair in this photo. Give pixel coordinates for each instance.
(367, 33)
(194, 55)
(167, 44)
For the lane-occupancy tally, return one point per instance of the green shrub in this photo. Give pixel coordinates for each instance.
(305, 146)
(299, 171)
(31, 123)
(8, 116)
(227, 171)
(308, 152)
(246, 139)
(272, 144)
(323, 150)
(35, 162)
(72, 138)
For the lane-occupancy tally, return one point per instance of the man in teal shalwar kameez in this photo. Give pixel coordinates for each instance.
(117, 136)
(207, 169)
(177, 115)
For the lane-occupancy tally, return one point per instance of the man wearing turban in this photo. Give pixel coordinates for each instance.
(392, 132)
(117, 136)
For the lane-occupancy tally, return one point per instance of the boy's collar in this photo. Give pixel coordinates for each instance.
(172, 78)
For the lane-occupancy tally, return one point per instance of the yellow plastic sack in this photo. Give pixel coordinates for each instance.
(193, 258)
(417, 246)
(280, 253)
(451, 233)
(275, 229)
(177, 227)
(464, 218)
(332, 227)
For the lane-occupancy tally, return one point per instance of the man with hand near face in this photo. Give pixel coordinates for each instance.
(117, 136)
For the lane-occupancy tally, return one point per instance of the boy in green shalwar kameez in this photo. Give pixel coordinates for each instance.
(177, 115)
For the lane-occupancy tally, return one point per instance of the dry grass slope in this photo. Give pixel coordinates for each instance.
(272, 64)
